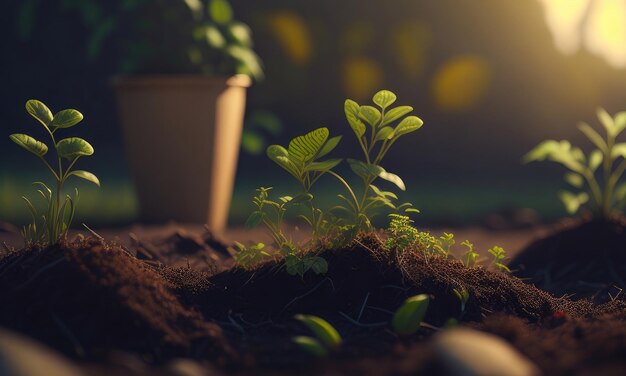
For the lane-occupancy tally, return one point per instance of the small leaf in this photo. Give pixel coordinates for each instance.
(319, 265)
(351, 109)
(620, 122)
(574, 179)
(214, 37)
(311, 346)
(329, 146)
(240, 33)
(393, 178)
(325, 332)
(593, 136)
(280, 156)
(300, 198)
(409, 316)
(66, 118)
(364, 170)
(619, 150)
(254, 219)
(305, 148)
(73, 147)
(323, 166)
(39, 111)
(384, 98)
(25, 141)
(384, 133)
(370, 114)
(407, 125)
(572, 201)
(396, 113)
(606, 120)
(541, 151)
(220, 11)
(87, 176)
(595, 159)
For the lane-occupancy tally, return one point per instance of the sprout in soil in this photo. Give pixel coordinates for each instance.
(52, 224)
(326, 336)
(408, 318)
(600, 190)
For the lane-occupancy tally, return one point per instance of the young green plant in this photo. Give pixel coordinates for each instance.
(326, 336)
(600, 188)
(52, 225)
(408, 318)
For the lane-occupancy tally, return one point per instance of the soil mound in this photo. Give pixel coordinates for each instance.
(583, 258)
(87, 297)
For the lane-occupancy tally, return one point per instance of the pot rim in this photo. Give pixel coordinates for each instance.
(239, 80)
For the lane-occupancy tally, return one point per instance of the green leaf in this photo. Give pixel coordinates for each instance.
(620, 122)
(318, 265)
(214, 37)
(249, 62)
(396, 113)
(384, 98)
(620, 194)
(593, 136)
(393, 178)
(311, 346)
(25, 141)
(606, 120)
(39, 111)
(370, 114)
(220, 12)
(66, 118)
(305, 148)
(325, 332)
(329, 146)
(409, 316)
(573, 201)
(280, 156)
(300, 198)
(364, 170)
(352, 109)
(323, 165)
(619, 150)
(73, 147)
(87, 176)
(574, 179)
(595, 159)
(240, 33)
(407, 125)
(541, 151)
(384, 133)
(254, 219)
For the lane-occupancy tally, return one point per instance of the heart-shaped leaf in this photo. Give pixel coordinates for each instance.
(73, 147)
(305, 148)
(25, 141)
(66, 118)
(87, 176)
(39, 111)
(370, 114)
(329, 146)
(396, 113)
(351, 109)
(384, 98)
(407, 125)
(409, 316)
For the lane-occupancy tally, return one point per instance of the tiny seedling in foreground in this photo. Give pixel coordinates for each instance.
(604, 195)
(463, 295)
(409, 316)
(326, 336)
(51, 225)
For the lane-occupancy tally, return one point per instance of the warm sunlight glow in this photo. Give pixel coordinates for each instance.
(598, 25)
(460, 83)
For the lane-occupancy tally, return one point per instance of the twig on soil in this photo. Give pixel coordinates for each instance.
(380, 310)
(6, 247)
(367, 296)
(93, 232)
(310, 292)
(614, 298)
(396, 287)
(428, 326)
(372, 325)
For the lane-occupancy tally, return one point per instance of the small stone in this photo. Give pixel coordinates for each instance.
(467, 352)
(21, 356)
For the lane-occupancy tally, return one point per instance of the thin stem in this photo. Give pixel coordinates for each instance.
(356, 202)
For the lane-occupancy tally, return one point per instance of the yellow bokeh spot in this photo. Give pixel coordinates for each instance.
(410, 42)
(292, 34)
(461, 83)
(362, 76)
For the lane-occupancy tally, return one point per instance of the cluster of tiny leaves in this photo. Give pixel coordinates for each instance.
(50, 225)
(594, 177)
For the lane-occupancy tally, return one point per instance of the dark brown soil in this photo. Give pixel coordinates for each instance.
(581, 258)
(95, 301)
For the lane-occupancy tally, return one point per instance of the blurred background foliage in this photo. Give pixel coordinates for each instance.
(490, 78)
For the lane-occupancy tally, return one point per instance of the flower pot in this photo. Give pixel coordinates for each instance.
(182, 136)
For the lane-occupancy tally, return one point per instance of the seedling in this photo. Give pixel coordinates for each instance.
(401, 233)
(470, 257)
(600, 191)
(499, 254)
(248, 257)
(326, 336)
(52, 225)
(409, 316)
(463, 295)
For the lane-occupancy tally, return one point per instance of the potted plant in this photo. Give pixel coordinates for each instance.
(182, 117)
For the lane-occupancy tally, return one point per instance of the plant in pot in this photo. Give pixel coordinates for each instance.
(187, 65)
